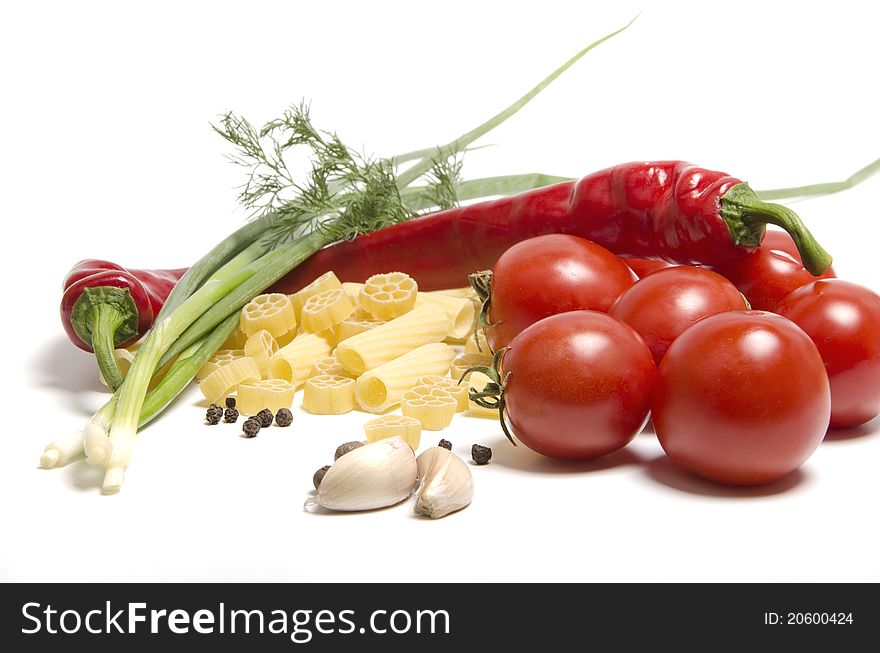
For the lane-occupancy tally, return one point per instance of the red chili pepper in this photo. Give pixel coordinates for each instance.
(669, 210)
(106, 306)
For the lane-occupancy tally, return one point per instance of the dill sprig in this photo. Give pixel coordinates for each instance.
(443, 180)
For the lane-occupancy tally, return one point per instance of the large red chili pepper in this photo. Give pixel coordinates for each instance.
(668, 210)
(106, 306)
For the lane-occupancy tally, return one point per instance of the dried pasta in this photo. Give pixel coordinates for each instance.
(390, 426)
(459, 310)
(382, 387)
(325, 310)
(458, 391)
(480, 346)
(236, 339)
(478, 381)
(462, 363)
(294, 361)
(353, 325)
(254, 396)
(370, 349)
(220, 358)
(431, 405)
(328, 365)
(387, 296)
(223, 381)
(466, 292)
(261, 347)
(329, 394)
(327, 281)
(272, 312)
(353, 290)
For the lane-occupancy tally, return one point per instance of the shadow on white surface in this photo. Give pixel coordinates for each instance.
(860, 432)
(68, 371)
(523, 459)
(664, 471)
(84, 476)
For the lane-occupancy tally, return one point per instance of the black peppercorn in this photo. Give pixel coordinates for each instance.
(230, 415)
(265, 416)
(319, 475)
(230, 402)
(283, 417)
(481, 455)
(343, 449)
(214, 414)
(446, 444)
(251, 427)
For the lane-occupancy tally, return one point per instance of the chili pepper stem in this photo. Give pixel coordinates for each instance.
(746, 215)
(107, 319)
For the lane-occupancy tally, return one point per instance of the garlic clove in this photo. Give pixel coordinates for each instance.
(446, 483)
(373, 476)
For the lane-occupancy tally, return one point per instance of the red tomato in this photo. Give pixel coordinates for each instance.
(664, 304)
(771, 272)
(548, 275)
(645, 266)
(843, 319)
(741, 398)
(579, 385)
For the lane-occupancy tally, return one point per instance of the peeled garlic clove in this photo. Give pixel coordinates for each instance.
(372, 476)
(446, 483)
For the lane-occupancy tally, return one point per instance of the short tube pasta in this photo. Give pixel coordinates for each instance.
(294, 361)
(353, 325)
(219, 359)
(254, 396)
(223, 381)
(370, 349)
(459, 311)
(380, 388)
(329, 394)
(390, 426)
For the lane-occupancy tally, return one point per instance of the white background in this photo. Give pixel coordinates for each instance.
(106, 152)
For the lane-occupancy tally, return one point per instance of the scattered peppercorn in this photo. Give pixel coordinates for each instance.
(283, 417)
(230, 415)
(343, 449)
(265, 416)
(446, 444)
(230, 402)
(481, 455)
(214, 414)
(319, 475)
(251, 427)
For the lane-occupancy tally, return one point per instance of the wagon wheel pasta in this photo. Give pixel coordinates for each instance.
(220, 358)
(328, 365)
(462, 363)
(355, 324)
(254, 396)
(222, 381)
(386, 296)
(261, 347)
(272, 312)
(329, 394)
(294, 361)
(327, 281)
(431, 405)
(325, 310)
(389, 426)
(458, 391)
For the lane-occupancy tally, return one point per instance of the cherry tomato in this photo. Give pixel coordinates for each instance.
(578, 385)
(551, 274)
(664, 304)
(645, 266)
(741, 398)
(771, 272)
(843, 319)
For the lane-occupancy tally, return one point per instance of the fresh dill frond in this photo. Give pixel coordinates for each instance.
(441, 189)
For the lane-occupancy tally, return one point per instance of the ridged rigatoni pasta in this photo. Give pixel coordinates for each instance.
(225, 379)
(353, 325)
(391, 426)
(457, 391)
(387, 296)
(272, 312)
(380, 388)
(254, 396)
(294, 361)
(431, 405)
(221, 357)
(370, 349)
(261, 347)
(325, 310)
(459, 310)
(466, 292)
(329, 394)
(329, 365)
(327, 281)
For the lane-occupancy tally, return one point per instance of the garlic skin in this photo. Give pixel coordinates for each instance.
(373, 476)
(446, 483)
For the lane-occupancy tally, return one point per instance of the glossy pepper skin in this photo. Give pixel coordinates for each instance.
(148, 289)
(669, 210)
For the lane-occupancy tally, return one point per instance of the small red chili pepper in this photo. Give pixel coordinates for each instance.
(105, 306)
(669, 210)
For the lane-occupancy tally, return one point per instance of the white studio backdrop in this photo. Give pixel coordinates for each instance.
(107, 152)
